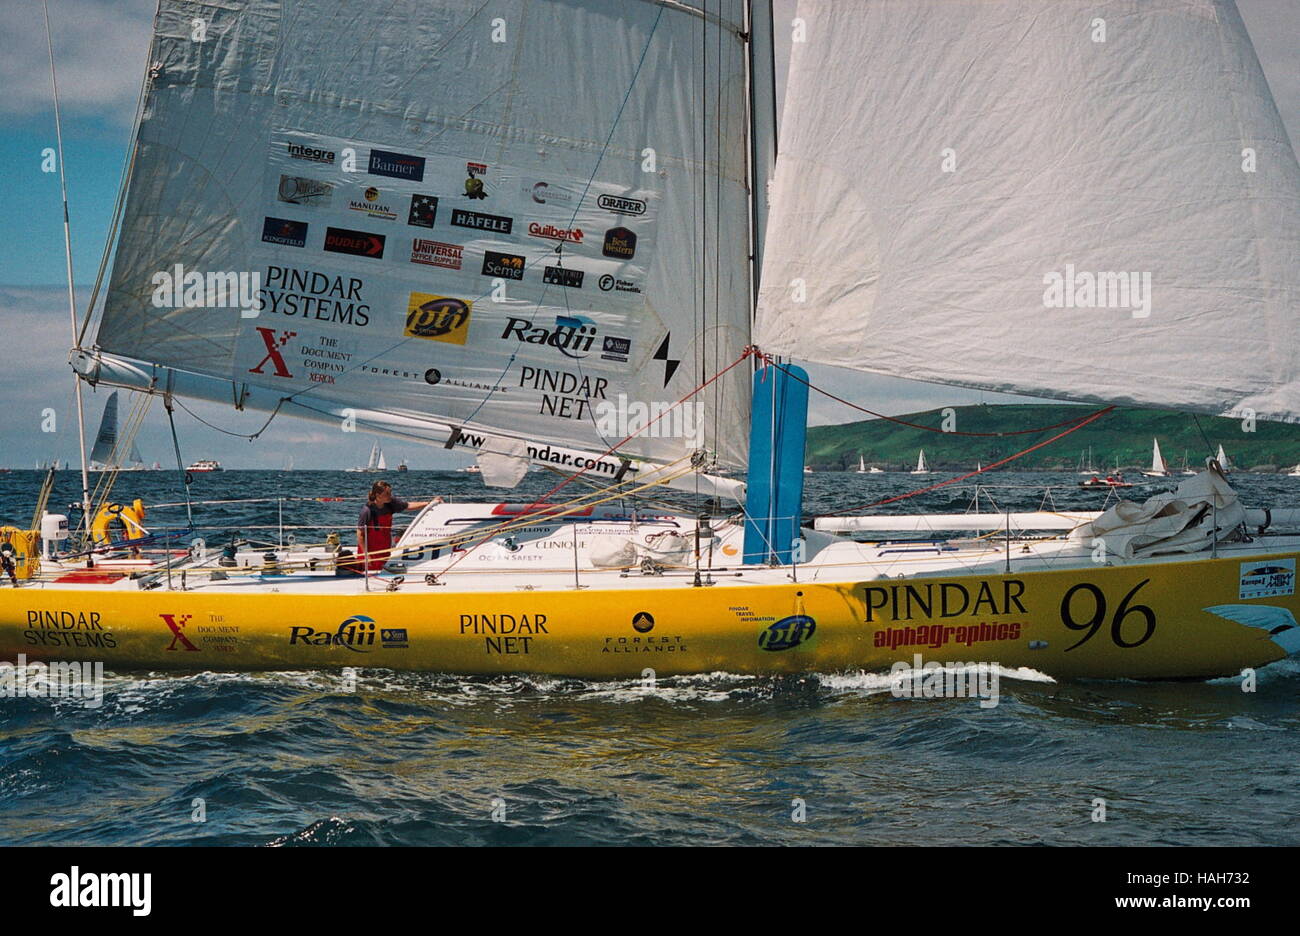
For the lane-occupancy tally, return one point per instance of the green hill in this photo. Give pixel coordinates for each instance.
(1123, 434)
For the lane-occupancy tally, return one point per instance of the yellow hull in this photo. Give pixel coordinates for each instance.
(1139, 622)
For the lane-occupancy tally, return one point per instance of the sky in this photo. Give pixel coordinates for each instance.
(100, 48)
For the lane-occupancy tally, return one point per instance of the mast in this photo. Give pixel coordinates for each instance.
(72, 293)
(762, 124)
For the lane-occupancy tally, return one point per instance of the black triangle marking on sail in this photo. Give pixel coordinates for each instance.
(670, 366)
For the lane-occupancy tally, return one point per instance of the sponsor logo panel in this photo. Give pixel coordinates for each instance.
(356, 243)
(620, 243)
(1267, 578)
(311, 153)
(609, 283)
(787, 633)
(396, 165)
(552, 232)
(284, 232)
(505, 633)
(68, 629)
(507, 266)
(438, 318)
(478, 221)
(474, 187)
(563, 276)
(437, 253)
(357, 634)
(620, 205)
(300, 190)
(423, 211)
(373, 205)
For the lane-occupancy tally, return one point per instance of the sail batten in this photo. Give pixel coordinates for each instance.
(1043, 208)
(444, 218)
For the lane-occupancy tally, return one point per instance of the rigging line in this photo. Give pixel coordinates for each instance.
(1208, 446)
(912, 425)
(746, 353)
(717, 243)
(180, 464)
(238, 435)
(997, 464)
(67, 252)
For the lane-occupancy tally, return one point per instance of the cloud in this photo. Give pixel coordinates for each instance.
(100, 51)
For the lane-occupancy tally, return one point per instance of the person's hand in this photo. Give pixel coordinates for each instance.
(437, 500)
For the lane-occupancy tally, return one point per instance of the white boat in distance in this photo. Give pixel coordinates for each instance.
(921, 468)
(376, 463)
(1158, 467)
(204, 465)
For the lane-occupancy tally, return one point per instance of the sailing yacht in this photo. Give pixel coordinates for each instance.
(868, 253)
(921, 468)
(862, 465)
(1158, 467)
(104, 456)
(1222, 458)
(1086, 467)
(376, 462)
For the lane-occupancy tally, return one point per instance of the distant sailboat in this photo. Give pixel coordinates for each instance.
(921, 468)
(862, 465)
(375, 463)
(1158, 467)
(1087, 467)
(104, 456)
(1222, 458)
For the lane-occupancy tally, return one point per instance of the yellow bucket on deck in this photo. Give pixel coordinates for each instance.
(27, 550)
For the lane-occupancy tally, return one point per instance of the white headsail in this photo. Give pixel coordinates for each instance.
(1084, 200)
(528, 216)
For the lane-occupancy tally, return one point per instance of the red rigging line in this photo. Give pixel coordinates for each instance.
(904, 422)
(997, 464)
(541, 501)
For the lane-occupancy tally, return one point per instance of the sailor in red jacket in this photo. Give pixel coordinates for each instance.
(375, 526)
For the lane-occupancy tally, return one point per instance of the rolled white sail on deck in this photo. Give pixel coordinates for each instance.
(1084, 200)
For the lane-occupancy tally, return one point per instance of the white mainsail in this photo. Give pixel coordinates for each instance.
(920, 464)
(545, 247)
(984, 154)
